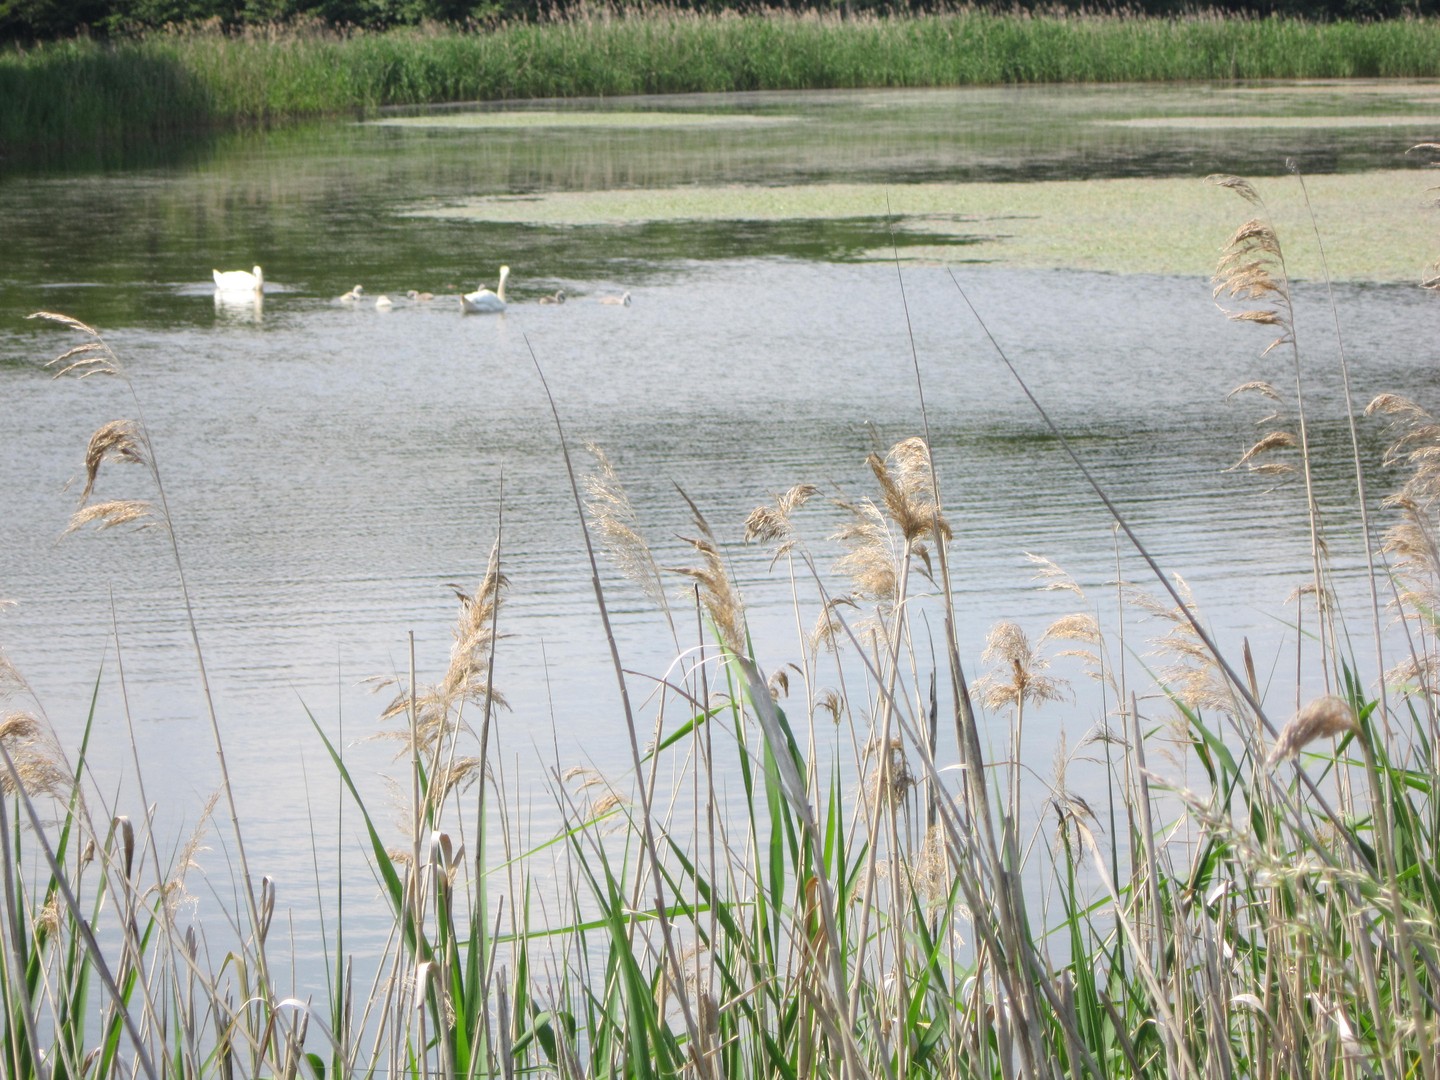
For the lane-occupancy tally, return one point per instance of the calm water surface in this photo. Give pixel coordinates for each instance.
(331, 470)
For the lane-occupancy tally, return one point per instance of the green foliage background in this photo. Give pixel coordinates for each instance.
(40, 20)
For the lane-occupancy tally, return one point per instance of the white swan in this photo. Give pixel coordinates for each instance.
(482, 300)
(617, 300)
(558, 297)
(237, 281)
(353, 295)
(383, 303)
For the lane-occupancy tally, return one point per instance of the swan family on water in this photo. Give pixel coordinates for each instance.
(232, 286)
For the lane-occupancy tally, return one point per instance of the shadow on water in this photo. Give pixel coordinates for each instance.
(137, 110)
(631, 251)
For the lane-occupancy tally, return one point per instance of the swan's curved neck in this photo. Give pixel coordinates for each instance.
(500, 289)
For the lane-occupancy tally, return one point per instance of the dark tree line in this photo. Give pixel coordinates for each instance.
(38, 20)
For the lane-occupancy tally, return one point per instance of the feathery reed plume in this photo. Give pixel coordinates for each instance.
(123, 441)
(1017, 675)
(770, 522)
(1412, 542)
(119, 440)
(932, 866)
(1079, 627)
(717, 591)
(1414, 672)
(466, 678)
(1193, 676)
(12, 683)
(905, 477)
(1252, 268)
(1322, 718)
(451, 776)
(175, 894)
(875, 555)
(93, 357)
(613, 517)
(870, 560)
(1051, 577)
(831, 701)
(38, 761)
(598, 793)
(113, 513)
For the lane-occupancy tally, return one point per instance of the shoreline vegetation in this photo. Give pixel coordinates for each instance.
(1237, 893)
(184, 82)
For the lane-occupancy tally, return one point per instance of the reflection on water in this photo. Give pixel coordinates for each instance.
(331, 467)
(239, 307)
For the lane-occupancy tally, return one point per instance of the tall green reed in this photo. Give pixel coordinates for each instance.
(76, 93)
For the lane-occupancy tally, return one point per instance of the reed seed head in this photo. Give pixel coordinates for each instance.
(119, 440)
(439, 707)
(906, 479)
(1077, 627)
(1325, 717)
(1051, 577)
(613, 517)
(717, 591)
(113, 514)
(870, 560)
(1239, 185)
(1252, 268)
(1017, 675)
(37, 761)
(92, 357)
(1269, 443)
(47, 921)
(1412, 542)
(831, 701)
(770, 522)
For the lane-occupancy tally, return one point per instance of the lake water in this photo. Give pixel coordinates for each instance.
(331, 468)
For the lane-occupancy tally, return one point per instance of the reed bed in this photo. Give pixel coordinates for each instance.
(188, 80)
(1253, 890)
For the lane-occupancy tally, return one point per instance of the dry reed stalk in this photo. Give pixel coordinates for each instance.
(1252, 268)
(128, 441)
(647, 830)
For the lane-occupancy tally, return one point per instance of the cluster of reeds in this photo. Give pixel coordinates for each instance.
(80, 92)
(1252, 889)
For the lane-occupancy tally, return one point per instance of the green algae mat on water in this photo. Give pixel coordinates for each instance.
(1090, 178)
(1376, 226)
